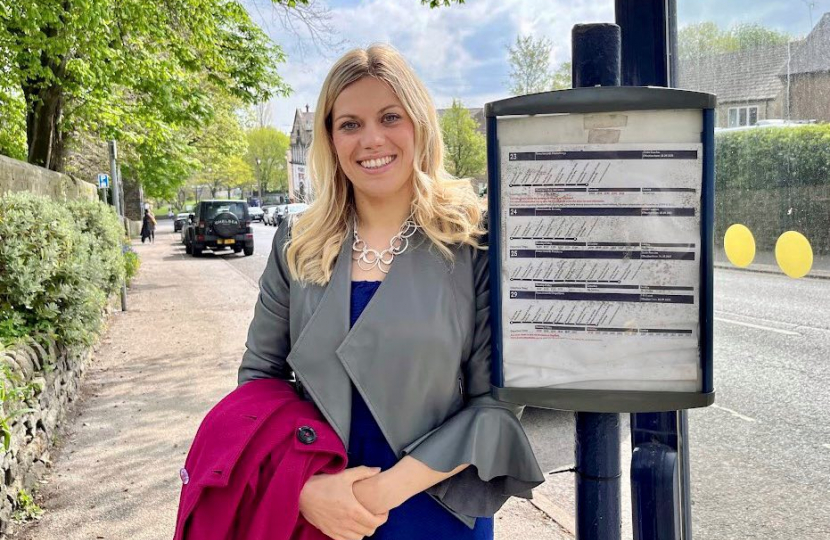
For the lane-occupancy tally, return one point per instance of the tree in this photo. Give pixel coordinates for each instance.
(530, 65)
(561, 79)
(466, 148)
(267, 147)
(129, 69)
(238, 174)
(707, 38)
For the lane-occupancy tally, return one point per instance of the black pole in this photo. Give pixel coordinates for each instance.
(660, 463)
(596, 62)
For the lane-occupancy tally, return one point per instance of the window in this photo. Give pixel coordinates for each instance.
(743, 116)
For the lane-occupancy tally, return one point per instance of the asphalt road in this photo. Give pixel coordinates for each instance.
(761, 456)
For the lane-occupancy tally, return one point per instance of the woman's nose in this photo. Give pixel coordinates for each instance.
(372, 136)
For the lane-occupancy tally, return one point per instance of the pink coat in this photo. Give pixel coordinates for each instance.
(252, 455)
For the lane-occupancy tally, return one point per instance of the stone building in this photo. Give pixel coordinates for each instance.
(299, 182)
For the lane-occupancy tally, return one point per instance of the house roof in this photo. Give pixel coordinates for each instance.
(302, 130)
(746, 75)
(813, 55)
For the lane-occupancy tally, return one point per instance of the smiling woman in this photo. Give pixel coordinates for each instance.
(376, 300)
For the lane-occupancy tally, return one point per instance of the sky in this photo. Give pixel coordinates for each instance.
(461, 51)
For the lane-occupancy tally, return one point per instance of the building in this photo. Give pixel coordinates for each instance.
(299, 183)
(809, 75)
(789, 81)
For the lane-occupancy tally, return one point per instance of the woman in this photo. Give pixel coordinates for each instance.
(148, 226)
(376, 300)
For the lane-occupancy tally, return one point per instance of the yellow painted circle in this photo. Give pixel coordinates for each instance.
(739, 245)
(794, 254)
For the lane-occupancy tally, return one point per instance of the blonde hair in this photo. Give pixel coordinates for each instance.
(446, 208)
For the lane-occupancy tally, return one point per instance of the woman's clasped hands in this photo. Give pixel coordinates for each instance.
(346, 505)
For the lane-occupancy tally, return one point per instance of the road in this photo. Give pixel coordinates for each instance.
(761, 456)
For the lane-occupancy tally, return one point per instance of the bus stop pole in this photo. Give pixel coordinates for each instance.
(596, 62)
(660, 462)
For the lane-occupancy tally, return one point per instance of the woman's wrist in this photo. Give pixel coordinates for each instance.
(379, 494)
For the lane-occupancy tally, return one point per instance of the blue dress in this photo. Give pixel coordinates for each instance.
(419, 518)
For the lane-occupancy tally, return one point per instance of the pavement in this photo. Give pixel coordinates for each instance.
(159, 368)
(765, 263)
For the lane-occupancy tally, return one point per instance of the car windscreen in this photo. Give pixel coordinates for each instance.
(214, 209)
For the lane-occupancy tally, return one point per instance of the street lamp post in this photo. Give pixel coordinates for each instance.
(259, 179)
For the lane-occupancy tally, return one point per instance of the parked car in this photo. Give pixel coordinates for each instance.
(268, 218)
(183, 231)
(256, 213)
(280, 214)
(294, 209)
(218, 224)
(181, 219)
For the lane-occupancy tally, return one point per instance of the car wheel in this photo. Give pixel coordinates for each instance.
(197, 252)
(249, 251)
(188, 248)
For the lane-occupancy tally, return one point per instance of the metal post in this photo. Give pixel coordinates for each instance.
(596, 62)
(660, 496)
(116, 199)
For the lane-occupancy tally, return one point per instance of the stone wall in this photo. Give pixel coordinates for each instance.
(55, 374)
(19, 176)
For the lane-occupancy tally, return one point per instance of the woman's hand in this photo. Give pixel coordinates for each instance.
(328, 502)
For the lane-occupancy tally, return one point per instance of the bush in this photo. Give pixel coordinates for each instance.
(58, 265)
(131, 263)
(773, 180)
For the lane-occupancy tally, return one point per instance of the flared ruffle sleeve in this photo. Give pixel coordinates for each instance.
(485, 433)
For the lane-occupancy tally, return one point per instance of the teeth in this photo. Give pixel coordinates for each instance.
(375, 163)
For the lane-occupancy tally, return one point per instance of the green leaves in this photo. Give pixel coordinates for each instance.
(269, 146)
(438, 3)
(465, 148)
(58, 264)
(707, 38)
(773, 180)
(145, 73)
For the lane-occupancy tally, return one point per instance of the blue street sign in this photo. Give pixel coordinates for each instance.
(103, 181)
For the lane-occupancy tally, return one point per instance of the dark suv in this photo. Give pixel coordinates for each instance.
(218, 225)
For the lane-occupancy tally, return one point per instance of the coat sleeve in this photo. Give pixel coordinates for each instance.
(269, 341)
(485, 433)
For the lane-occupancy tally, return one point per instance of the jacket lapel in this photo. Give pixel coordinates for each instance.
(313, 356)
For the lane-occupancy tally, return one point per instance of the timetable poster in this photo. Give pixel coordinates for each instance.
(600, 265)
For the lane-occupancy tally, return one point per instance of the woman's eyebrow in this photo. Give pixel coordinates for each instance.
(348, 115)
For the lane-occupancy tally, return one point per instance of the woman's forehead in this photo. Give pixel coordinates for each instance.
(366, 96)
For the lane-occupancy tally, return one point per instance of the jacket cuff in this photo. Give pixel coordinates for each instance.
(489, 438)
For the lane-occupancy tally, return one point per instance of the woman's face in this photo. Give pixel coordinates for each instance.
(374, 139)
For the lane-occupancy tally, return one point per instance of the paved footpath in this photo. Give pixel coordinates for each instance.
(158, 370)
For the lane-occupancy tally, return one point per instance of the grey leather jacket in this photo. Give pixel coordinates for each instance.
(420, 357)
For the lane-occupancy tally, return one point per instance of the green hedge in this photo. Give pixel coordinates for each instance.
(58, 265)
(773, 180)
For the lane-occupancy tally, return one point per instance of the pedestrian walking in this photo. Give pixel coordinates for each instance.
(148, 226)
(375, 303)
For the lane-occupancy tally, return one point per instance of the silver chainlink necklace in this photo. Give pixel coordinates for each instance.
(368, 258)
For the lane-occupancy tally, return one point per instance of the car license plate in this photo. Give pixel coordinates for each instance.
(227, 242)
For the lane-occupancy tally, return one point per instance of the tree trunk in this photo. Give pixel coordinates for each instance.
(44, 138)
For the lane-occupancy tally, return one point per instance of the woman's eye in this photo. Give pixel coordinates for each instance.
(348, 126)
(391, 117)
